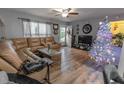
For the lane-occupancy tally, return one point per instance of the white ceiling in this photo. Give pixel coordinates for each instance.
(84, 13)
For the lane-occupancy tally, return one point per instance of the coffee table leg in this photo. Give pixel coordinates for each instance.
(48, 74)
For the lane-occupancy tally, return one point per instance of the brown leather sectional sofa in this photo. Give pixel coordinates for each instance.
(34, 43)
(11, 62)
(12, 54)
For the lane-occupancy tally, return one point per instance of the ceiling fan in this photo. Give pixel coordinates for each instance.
(64, 12)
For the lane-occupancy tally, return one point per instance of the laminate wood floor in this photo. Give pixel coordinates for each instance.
(72, 69)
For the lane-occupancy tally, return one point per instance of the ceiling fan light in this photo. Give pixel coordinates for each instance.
(64, 14)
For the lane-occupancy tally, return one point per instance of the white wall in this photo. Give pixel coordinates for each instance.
(14, 25)
(94, 23)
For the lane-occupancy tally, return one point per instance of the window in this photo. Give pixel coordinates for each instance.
(62, 35)
(48, 30)
(35, 29)
(26, 28)
(45, 29)
(42, 29)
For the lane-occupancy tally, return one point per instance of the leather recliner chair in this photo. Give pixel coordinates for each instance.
(11, 63)
(50, 41)
(19, 44)
(35, 43)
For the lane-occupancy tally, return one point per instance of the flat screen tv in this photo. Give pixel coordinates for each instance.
(85, 39)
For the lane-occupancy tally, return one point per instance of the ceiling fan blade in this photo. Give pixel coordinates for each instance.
(73, 13)
(57, 14)
(56, 11)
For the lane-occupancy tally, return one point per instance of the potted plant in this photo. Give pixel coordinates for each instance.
(119, 39)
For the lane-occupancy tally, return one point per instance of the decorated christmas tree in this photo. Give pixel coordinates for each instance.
(102, 51)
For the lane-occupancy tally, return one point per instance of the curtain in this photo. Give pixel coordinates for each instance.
(26, 28)
(42, 29)
(48, 29)
(36, 29)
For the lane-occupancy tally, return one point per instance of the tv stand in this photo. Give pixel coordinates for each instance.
(82, 47)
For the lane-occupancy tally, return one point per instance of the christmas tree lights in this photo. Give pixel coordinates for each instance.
(102, 51)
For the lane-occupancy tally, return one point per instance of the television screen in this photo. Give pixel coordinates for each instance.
(85, 39)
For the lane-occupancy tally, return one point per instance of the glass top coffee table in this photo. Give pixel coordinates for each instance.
(54, 55)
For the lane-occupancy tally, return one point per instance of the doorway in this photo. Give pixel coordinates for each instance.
(69, 36)
(62, 35)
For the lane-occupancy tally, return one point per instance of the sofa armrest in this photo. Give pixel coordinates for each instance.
(44, 44)
(57, 43)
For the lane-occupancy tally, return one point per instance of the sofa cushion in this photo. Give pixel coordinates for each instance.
(12, 58)
(20, 43)
(34, 42)
(8, 54)
(34, 49)
(49, 40)
(56, 47)
(7, 67)
(23, 56)
(30, 54)
(43, 41)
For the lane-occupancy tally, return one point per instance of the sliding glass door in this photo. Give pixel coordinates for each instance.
(62, 35)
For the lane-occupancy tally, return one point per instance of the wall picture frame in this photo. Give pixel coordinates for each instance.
(55, 28)
(87, 28)
(77, 29)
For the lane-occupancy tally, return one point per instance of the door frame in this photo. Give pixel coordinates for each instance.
(65, 43)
